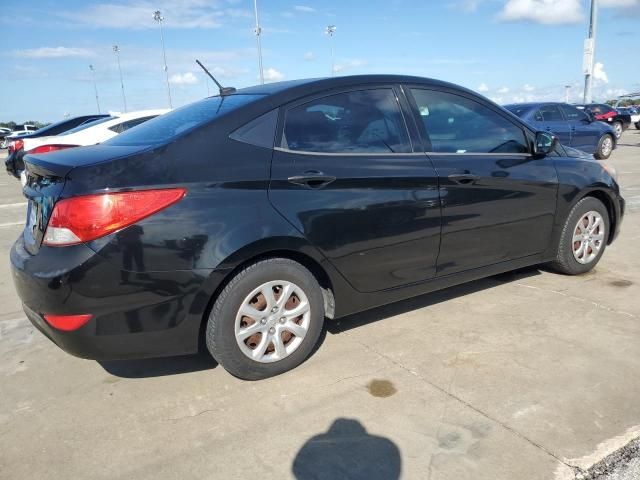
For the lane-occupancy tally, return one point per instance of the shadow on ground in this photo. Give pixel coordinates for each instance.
(160, 367)
(347, 451)
(360, 319)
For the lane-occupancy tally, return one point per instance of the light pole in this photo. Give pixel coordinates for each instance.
(258, 32)
(95, 86)
(330, 30)
(589, 52)
(157, 16)
(567, 88)
(116, 50)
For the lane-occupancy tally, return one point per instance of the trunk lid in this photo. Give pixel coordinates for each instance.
(46, 176)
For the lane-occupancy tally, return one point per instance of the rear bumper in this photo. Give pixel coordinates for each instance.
(14, 163)
(135, 315)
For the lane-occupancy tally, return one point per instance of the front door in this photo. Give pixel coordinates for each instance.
(585, 135)
(498, 202)
(346, 177)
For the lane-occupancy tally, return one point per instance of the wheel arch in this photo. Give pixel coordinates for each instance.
(292, 248)
(602, 195)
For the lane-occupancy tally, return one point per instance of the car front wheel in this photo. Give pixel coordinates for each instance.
(584, 237)
(605, 147)
(267, 320)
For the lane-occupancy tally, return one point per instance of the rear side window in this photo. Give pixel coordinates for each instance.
(365, 121)
(456, 124)
(182, 120)
(551, 113)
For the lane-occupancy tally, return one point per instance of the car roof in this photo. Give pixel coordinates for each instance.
(534, 104)
(288, 90)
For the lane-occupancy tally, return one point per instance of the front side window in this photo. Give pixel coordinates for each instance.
(573, 114)
(366, 121)
(456, 124)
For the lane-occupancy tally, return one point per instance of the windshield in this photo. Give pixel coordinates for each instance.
(182, 120)
(89, 124)
(519, 110)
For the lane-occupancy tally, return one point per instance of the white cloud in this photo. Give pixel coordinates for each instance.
(528, 88)
(599, 74)
(309, 56)
(138, 14)
(349, 64)
(304, 8)
(503, 90)
(273, 75)
(548, 12)
(187, 78)
(54, 52)
(468, 6)
(483, 87)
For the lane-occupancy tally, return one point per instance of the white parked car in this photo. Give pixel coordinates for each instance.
(91, 133)
(19, 130)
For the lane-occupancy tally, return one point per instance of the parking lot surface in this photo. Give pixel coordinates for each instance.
(527, 375)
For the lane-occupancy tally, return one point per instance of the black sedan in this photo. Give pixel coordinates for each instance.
(607, 114)
(244, 220)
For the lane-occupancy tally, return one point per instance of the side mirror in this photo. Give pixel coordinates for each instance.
(590, 116)
(545, 144)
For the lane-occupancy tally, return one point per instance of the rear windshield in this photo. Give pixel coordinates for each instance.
(518, 110)
(181, 121)
(89, 124)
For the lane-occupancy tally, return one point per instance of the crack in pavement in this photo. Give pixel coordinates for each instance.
(573, 297)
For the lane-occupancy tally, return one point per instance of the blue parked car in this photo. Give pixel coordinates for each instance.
(573, 127)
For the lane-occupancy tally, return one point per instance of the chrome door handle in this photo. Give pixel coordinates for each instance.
(464, 178)
(312, 179)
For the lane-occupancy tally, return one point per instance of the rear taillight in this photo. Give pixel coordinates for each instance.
(16, 145)
(86, 218)
(67, 323)
(50, 148)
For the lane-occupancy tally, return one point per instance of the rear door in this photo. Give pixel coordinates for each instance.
(498, 202)
(346, 176)
(585, 135)
(553, 121)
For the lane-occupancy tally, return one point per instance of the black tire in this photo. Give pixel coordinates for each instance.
(638, 125)
(617, 127)
(565, 261)
(600, 155)
(220, 335)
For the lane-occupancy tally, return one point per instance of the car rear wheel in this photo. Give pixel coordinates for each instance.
(605, 147)
(617, 128)
(267, 320)
(638, 125)
(584, 237)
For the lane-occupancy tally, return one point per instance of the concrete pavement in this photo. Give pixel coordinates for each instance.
(528, 375)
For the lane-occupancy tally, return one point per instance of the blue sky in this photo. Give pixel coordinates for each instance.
(510, 50)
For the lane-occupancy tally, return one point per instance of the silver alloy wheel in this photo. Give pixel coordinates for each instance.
(618, 129)
(607, 146)
(588, 237)
(272, 321)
